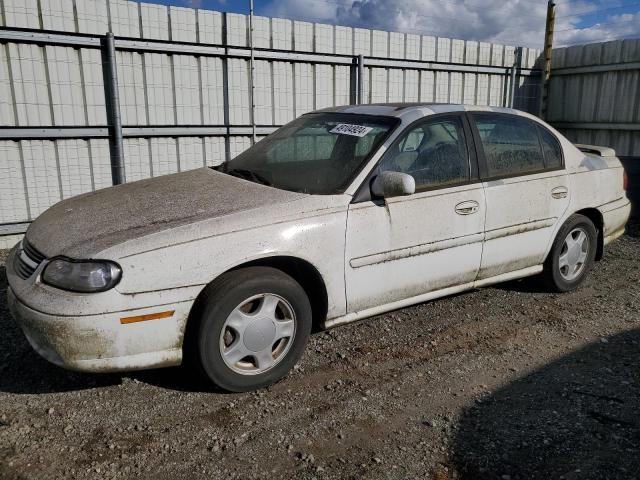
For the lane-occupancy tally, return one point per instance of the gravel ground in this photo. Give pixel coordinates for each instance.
(502, 383)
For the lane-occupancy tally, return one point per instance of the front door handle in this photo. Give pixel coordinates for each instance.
(467, 208)
(560, 192)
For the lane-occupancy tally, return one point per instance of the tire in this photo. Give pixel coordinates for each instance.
(566, 274)
(243, 311)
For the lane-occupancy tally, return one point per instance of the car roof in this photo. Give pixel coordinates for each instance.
(416, 109)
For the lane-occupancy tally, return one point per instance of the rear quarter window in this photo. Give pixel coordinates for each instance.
(551, 148)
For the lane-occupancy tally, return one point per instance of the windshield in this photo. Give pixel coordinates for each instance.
(318, 153)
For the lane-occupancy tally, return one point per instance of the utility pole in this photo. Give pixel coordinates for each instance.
(548, 50)
(252, 93)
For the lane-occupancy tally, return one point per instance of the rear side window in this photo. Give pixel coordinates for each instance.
(511, 145)
(551, 148)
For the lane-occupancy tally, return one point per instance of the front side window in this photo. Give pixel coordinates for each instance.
(510, 144)
(434, 153)
(318, 153)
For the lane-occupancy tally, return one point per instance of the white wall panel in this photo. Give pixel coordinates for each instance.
(164, 156)
(41, 171)
(469, 93)
(75, 167)
(159, 88)
(212, 90)
(482, 91)
(191, 151)
(429, 48)
(65, 82)
(344, 40)
(411, 85)
(471, 54)
(283, 92)
(131, 88)
(187, 90)
(282, 34)
(444, 50)
(237, 29)
(497, 55)
(263, 93)
(457, 51)
(239, 91)
(442, 87)
(303, 75)
(13, 202)
(342, 82)
(7, 117)
(137, 165)
(183, 24)
(496, 91)
(427, 86)
(237, 145)
(92, 16)
(484, 53)
(210, 27)
(455, 87)
(214, 151)
(155, 21)
(324, 86)
(125, 20)
(101, 162)
(413, 47)
(397, 45)
(30, 84)
(361, 41)
(379, 85)
(261, 32)
(324, 38)
(379, 43)
(303, 36)
(21, 13)
(93, 86)
(58, 15)
(396, 85)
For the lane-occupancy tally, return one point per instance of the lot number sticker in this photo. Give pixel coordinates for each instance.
(348, 129)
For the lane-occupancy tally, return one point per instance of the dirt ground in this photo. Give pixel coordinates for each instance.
(503, 383)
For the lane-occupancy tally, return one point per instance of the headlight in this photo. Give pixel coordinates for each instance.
(83, 276)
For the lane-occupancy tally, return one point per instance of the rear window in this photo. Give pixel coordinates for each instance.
(511, 145)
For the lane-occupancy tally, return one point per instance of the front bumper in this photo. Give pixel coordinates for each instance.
(80, 339)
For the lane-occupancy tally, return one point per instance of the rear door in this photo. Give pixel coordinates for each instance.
(526, 190)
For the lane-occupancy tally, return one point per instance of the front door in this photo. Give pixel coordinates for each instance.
(402, 247)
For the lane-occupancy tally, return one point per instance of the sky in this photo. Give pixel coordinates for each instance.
(512, 22)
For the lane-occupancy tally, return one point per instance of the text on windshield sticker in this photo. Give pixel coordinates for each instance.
(348, 129)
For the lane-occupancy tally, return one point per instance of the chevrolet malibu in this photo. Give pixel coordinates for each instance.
(342, 214)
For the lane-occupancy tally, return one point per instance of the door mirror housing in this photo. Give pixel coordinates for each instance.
(393, 184)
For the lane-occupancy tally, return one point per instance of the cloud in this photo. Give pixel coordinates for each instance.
(193, 3)
(516, 22)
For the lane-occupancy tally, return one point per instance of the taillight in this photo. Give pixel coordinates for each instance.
(625, 180)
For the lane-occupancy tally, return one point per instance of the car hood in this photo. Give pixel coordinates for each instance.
(83, 226)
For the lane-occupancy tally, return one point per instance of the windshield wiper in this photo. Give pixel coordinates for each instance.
(248, 175)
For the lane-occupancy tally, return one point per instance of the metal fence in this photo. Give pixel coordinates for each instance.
(180, 88)
(594, 94)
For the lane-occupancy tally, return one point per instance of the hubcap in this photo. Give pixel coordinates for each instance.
(573, 254)
(257, 334)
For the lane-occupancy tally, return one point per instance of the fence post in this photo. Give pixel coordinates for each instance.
(517, 65)
(360, 79)
(548, 50)
(112, 101)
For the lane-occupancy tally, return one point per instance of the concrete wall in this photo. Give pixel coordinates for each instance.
(198, 75)
(594, 95)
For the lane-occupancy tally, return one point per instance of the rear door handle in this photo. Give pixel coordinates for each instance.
(560, 192)
(467, 208)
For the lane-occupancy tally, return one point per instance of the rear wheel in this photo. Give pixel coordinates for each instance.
(572, 254)
(252, 327)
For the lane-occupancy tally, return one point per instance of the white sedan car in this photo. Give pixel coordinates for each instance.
(342, 214)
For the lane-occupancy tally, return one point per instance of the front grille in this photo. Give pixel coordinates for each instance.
(27, 260)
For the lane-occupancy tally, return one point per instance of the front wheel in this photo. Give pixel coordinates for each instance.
(572, 254)
(252, 327)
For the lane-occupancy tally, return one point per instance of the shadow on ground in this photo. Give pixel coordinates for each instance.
(576, 418)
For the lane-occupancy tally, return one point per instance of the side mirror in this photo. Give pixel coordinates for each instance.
(393, 184)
